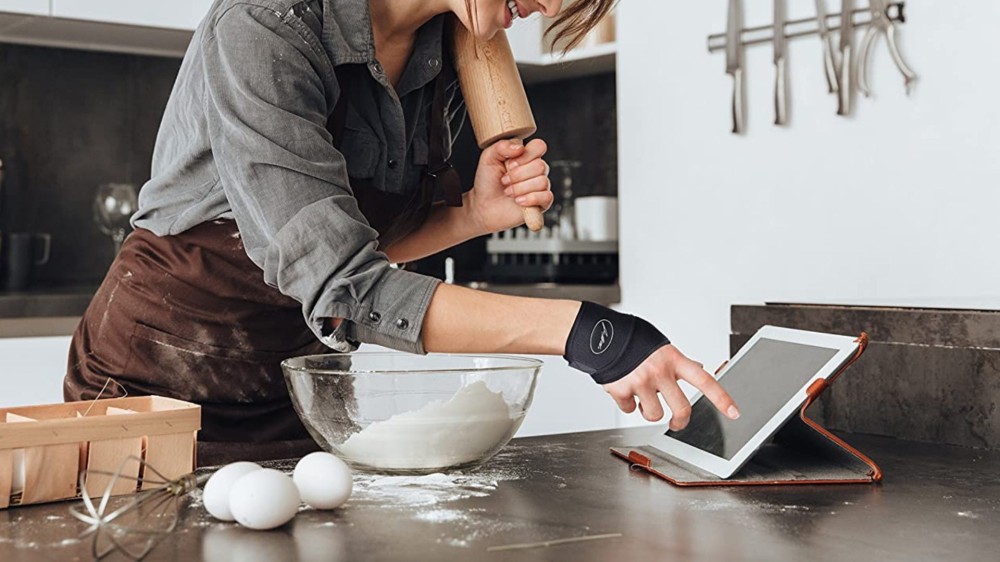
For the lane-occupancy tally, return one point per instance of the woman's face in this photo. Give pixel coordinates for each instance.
(494, 15)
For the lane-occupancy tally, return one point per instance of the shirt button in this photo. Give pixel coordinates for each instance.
(392, 163)
(433, 63)
(402, 323)
(374, 316)
(377, 68)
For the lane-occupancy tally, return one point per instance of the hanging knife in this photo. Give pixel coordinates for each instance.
(844, 86)
(734, 61)
(829, 65)
(780, 65)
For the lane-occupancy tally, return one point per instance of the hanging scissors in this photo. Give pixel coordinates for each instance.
(881, 24)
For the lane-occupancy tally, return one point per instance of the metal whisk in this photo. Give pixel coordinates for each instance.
(129, 528)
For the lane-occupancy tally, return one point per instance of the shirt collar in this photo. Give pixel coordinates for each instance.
(348, 39)
(426, 59)
(347, 32)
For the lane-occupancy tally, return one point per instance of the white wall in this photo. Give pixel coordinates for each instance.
(899, 201)
(32, 370)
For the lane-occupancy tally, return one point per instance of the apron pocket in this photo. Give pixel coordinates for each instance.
(200, 372)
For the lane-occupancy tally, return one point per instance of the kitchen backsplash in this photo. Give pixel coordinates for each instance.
(578, 120)
(72, 120)
(69, 122)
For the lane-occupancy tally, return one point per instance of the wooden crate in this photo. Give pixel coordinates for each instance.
(45, 449)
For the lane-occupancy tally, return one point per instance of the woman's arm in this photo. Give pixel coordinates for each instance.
(509, 177)
(445, 227)
(461, 320)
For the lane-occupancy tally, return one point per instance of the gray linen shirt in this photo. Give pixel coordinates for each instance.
(244, 137)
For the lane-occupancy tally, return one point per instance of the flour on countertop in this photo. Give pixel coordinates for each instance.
(416, 491)
(461, 430)
(435, 500)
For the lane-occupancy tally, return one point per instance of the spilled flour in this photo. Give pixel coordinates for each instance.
(420, 491)
(441, 434)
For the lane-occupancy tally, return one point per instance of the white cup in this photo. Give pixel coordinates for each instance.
(596, 218)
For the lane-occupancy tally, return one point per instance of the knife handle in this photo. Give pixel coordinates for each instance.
(780, 92)
(844, 85)
(738, 101)
(829, 66)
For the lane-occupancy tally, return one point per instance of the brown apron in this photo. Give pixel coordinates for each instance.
(190, 317)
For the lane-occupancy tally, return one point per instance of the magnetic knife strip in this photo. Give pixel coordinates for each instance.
(804, 27)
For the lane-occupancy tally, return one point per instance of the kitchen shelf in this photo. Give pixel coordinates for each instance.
(43, 313)
(549, 246)
(586, 61)
(45, 31)
(39, 30)
(46, 303)
(606, 295)
(537, 64)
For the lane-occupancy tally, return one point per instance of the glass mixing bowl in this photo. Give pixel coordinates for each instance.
(399, 413)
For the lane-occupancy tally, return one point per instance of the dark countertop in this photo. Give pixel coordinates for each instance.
(57, 311)
(68, 301)
(601, 294)
(43, 312)
(937, 503)
(923, 366)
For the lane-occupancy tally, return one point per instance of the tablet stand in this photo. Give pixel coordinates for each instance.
(802, 452)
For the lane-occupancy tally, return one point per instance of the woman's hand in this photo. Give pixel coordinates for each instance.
(660, 373)
(509, 177)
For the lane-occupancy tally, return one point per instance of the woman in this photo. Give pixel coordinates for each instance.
(298, 157)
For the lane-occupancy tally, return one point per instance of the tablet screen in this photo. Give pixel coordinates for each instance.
(765, 378)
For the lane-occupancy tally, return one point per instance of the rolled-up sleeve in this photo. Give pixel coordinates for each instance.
(288, 186)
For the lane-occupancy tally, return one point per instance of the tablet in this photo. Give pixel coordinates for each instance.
(768, 379)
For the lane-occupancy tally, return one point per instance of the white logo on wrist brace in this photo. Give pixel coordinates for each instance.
(601, 336)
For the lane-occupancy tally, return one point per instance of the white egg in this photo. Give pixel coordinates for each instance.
(264, 499)
(217, 488)
(324, 481)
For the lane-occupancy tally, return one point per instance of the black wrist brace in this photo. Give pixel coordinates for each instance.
(608, 345)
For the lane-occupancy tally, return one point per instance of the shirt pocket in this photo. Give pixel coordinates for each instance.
(361, 149)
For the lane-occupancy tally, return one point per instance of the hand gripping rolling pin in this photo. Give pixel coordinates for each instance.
(494, 95)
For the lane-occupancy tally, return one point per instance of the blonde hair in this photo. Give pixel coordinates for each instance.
(569, 27)
(574, 22)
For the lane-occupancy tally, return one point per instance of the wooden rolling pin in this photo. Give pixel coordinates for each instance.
(494, 95)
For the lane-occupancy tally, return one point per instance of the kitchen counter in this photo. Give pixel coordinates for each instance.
(929, 374)
(601, 294)
(57, 312)
(937, 502)
(50, 312)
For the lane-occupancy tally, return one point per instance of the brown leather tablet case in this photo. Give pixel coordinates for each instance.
(802, 452)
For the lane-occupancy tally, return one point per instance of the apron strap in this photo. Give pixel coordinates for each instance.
(440, 170)
(338, 119)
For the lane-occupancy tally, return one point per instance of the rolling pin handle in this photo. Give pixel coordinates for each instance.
(533, 218)
(494, 95)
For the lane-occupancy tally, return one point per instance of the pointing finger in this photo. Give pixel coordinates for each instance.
(712, 390)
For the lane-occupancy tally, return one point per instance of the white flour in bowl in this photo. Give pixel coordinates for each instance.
(441, 434)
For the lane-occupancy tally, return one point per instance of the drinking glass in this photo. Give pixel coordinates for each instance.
(114, 205)
(563, 211)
